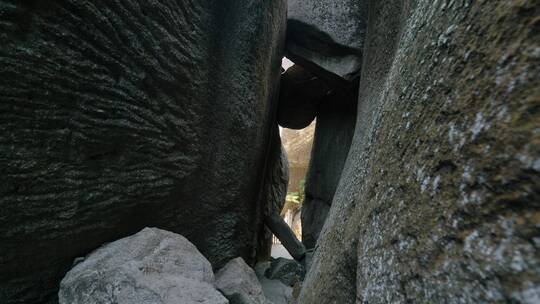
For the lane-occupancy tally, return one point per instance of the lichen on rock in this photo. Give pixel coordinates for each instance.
(438, 200)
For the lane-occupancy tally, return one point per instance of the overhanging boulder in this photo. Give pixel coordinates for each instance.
(327, 36)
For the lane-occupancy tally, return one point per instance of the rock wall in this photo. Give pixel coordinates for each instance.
(439, 197)
(116, 115)
(333, 135)
(327, 37)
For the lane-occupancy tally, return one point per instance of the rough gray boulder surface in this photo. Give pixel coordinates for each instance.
(288, 271)
(439, 198)
(117, 115)
(152, 266)
(274, 290)
(327, 35)
(333, 134)
(239, 283)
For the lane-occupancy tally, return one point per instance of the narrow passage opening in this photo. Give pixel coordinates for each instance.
(298, 145)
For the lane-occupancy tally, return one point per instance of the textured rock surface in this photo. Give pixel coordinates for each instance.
(152, 266)
(277, 176)
(261, 268)
(327, 34)
(439, 198)
(289, 272)
(276, 292)
(238, 282)
(333, 135)
(116, 115)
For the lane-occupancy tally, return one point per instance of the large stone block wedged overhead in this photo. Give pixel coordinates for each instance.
(116, 115)
(439, 198)
(327, 36)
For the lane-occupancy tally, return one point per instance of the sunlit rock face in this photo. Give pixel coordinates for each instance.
(120, 115)
(438, 201)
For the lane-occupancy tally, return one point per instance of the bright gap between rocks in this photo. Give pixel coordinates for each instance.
(286, 63)
(297, 144)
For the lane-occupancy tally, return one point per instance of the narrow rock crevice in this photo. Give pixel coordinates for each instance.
(423, 181)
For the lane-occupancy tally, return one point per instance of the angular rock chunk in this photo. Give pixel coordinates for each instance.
(276, 292)
(327, 35)
(239, 283)
(277, 180)
(261, 268)
(152, 266)
(289, 272)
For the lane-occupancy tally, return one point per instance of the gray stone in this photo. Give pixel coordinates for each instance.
(289, 272)
(261, 268)
(314, 214)
(278, 176)
(437, 201)
(276, 292)
(239, 283)
(152, 266)
(333, 136)
(328, 35)
(117, 115)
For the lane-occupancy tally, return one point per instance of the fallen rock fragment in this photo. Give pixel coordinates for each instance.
(328, 35)
(288, 271)
(152, 266)
(239, 283)
(275, 291)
